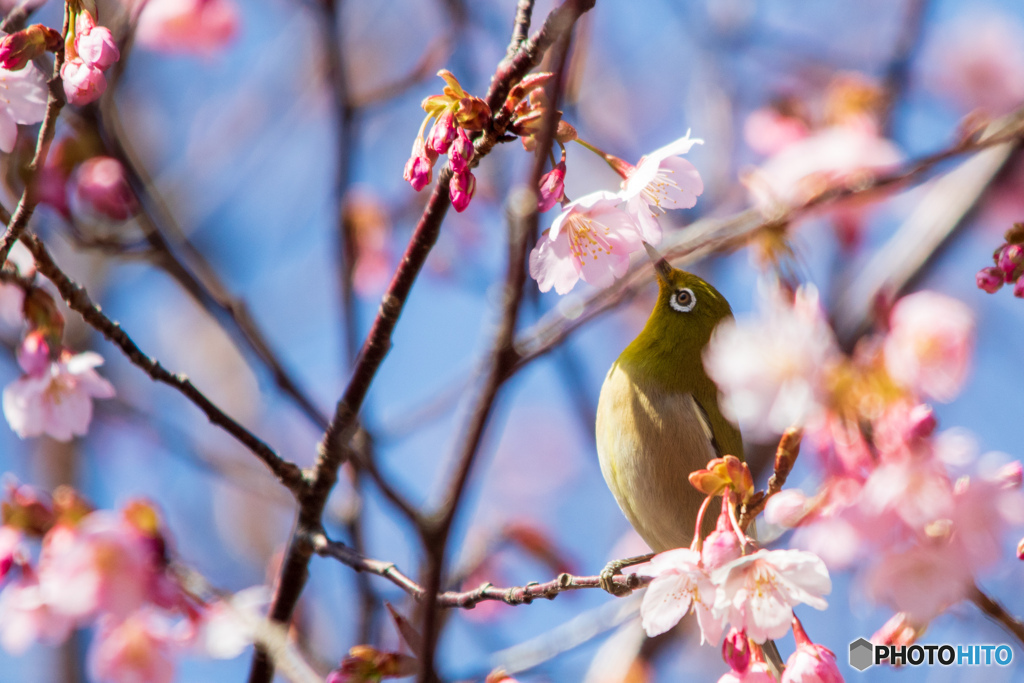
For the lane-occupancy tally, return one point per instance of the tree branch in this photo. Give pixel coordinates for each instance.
(997, 613)
(78, 300)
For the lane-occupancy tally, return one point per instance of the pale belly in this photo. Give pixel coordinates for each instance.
(647, 463)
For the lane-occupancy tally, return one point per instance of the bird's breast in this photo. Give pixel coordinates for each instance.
(648, 442)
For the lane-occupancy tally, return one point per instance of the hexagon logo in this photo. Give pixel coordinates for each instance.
(862, 654)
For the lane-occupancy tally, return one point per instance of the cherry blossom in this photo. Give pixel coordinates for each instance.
(95, 44)
(921, 581)
(228, 626)
(23, 102)
(771, 371)
(27, 618)
(680, 582)
(136, 649)
(661, 180)
(101, 566)
(758, 672)
(929, 345)
(757, 592)
(591, 239)
(187, 26)
(57, 401)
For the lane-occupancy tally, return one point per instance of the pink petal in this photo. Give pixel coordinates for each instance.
(551, 263)
(666, 601)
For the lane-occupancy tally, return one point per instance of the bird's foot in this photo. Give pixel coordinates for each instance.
(607, 575)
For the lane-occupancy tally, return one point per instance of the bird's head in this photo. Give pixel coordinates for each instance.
(685, 315)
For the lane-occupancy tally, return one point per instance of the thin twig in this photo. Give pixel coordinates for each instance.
(29, 197)
(515, 595)
(78, 300)
(785, 457)
(998, 613)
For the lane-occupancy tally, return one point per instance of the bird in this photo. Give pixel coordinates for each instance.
(658, 416)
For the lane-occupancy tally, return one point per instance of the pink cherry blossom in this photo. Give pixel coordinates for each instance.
(786, 508)
(27, 618)
(662, 180)
(757, 672)
(187, 26)
(771, 372)
(922, 581)
(101, 566)
(769, 131)
(810, 663)
(24, 102)
(929, 345)
(57, 402)
(95, 44)
(228, 625)
(136, 649)
(806, 167)
(591, 239)
(34, 354)
(757, 592)
(100, 186)
(679, 584)
(83, 82)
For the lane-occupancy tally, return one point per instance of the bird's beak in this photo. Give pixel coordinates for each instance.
(661, 267)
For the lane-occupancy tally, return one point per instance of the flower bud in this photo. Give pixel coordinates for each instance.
(1010, 475)
(989, 279)
(921, 422)
(442, 133)
(18, 49)
(552, 187)
(461, 190)
(736, 650)
(419, 169)
(899, 630)
(34, 354)
(461, 152)
(472, 113)
(1011, 256)
(786, 508)
(101, 186)
(1018, 288)
(95, 44)
(83, 82)
(721, 546)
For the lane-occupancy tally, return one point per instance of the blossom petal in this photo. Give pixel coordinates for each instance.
(551, 265)
(666, 601)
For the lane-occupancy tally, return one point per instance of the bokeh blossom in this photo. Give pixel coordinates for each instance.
(24, 102)
(187, 26)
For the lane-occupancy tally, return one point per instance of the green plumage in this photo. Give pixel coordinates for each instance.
(658, 416)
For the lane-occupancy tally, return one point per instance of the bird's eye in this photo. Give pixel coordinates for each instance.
(683, 300)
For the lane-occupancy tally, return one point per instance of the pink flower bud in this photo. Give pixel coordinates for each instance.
(101, 186)
(810, 662)
(899, 630)
(990, 279)
(461, 152)
(420, 167)
(83, 83)
(34, 354)
(1011, 475)
(721, 546)
(1010, 258)
(921, 422)
(552, 187)
(95, 44)
(18, 49)
(1018, 288)
(442, 133)
(461, 190)
(736, 650)
(786, 508)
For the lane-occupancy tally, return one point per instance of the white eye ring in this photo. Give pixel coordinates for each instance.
(683, 300)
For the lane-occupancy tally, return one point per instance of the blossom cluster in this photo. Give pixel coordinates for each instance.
(1009, 264)
(888, 504)
(110, 570)
(89, 51)
(593, 237)
(725, 584)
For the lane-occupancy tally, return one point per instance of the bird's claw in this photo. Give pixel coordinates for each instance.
(607, 577)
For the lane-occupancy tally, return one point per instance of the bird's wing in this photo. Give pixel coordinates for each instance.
(705, 422)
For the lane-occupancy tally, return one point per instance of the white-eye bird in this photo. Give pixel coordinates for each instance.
(658, 418)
